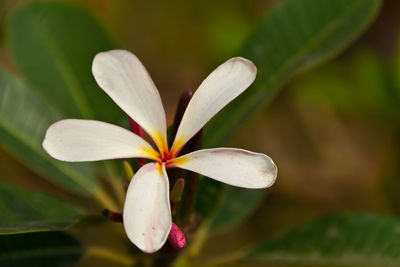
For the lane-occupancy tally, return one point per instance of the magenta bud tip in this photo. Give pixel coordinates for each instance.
(176, 237)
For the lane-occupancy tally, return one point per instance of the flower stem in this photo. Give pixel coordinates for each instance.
(180, 110)
(194, 248)
(192, 180)
(113, 216)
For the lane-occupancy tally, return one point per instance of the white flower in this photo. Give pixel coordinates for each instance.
(147, 214)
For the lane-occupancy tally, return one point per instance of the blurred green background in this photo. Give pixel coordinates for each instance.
(333, 131)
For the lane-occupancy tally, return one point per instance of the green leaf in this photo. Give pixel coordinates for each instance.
(23, 211)
(209, 197)
(357, 84)
(237, 204)
(295, 35)
(338, 240)
(24, 118)
(53, 44)
(46, 249)
(225, 206)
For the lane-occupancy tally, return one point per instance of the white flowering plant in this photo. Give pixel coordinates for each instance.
(107, 181)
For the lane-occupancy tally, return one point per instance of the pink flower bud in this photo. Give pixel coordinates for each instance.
(176, 237)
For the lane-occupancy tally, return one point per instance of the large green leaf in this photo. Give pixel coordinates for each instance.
(209, 197)
(295, 35)
(357, 84)
(53, 44)
(24, 118)
(225, 206)
(48, 249)
(338, 240)
(23, 211)
(236, 205)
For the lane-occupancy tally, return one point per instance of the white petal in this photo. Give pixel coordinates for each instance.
(123, 77)
(232, 166)
(147, 213)
(223, 85)
(88, 140)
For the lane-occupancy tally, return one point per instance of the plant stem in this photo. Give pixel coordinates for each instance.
(194, 247)
(192, 180)
(113, 216)
(180, 110)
